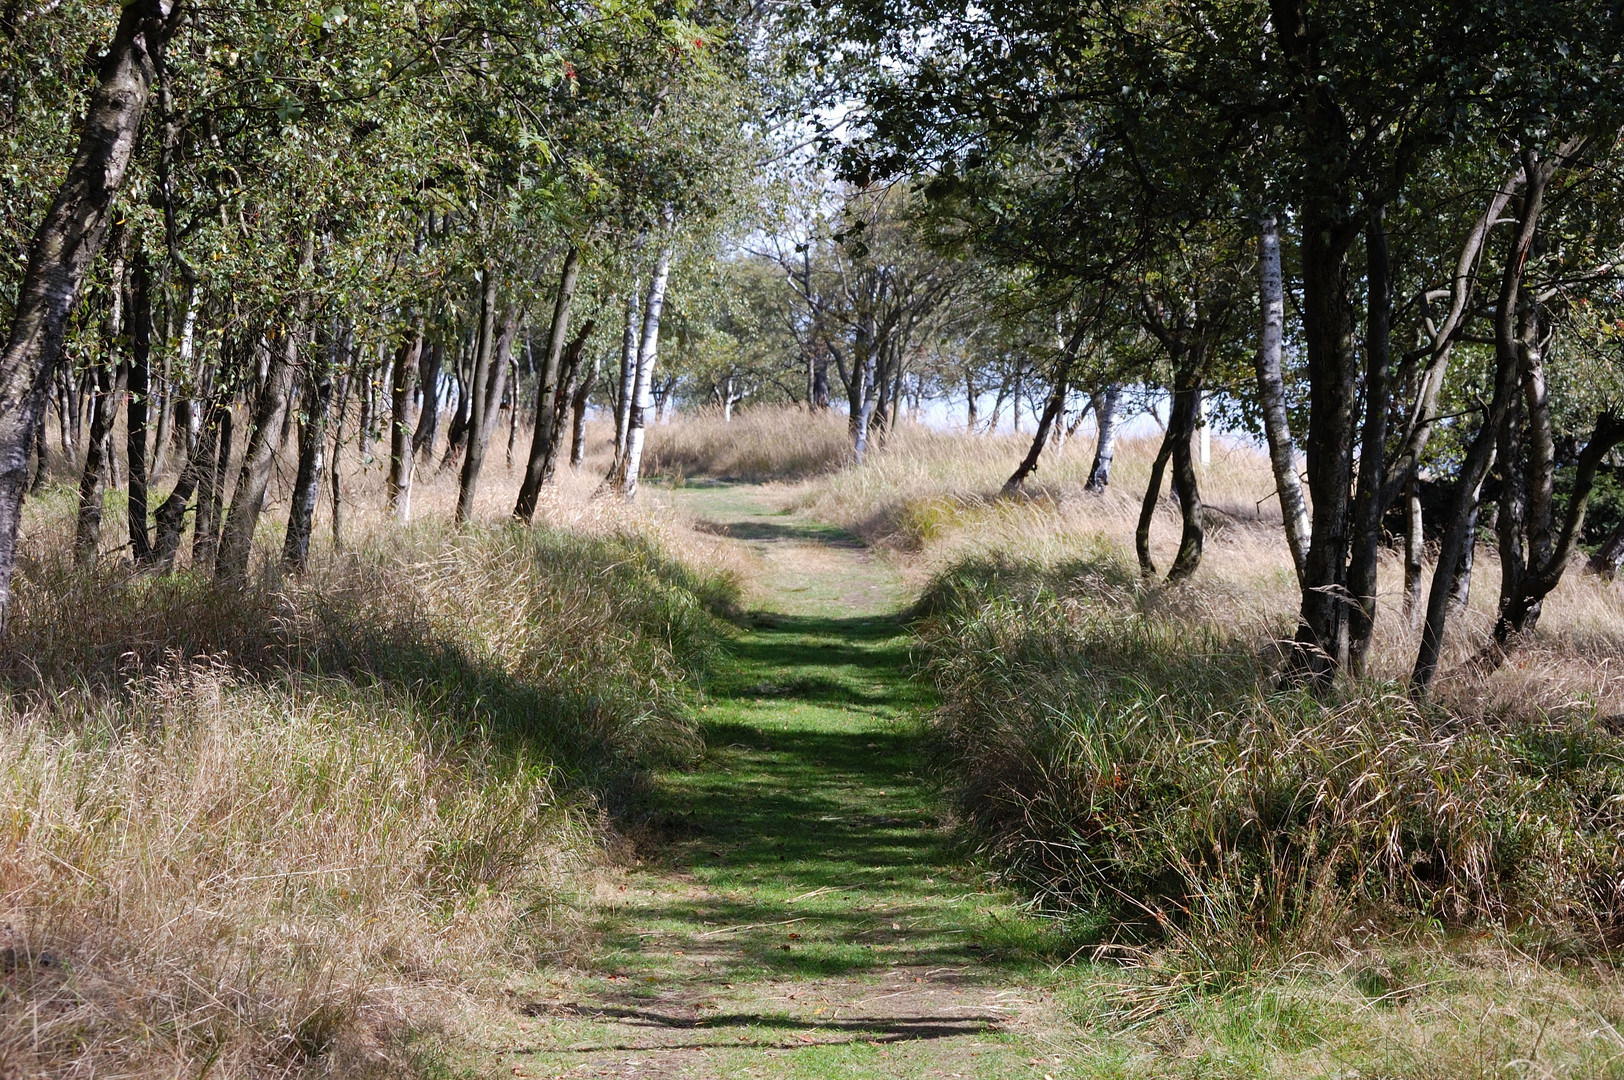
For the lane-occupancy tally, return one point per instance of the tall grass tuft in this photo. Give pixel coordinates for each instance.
(1120, 754)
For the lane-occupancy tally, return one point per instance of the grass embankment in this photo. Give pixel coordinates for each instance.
(305, 827)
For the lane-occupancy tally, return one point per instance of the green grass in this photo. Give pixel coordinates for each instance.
(800, 907)
(805, 855)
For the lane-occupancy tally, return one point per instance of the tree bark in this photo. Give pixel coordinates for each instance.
(1271, 392)
(1333, 370)
(195, 475)
(1051, 413)
(87, 531)
(428, 383)
(1147, 508)
(136, 410)
(1368, 506)
(264, 441)
(582, 397)
(1610, 556)
(490, 373)
(473, 403)
(63, 246)
(569, 369)
(1508, 363)
(545, 434)
(211, 493)
(318, 397)
(401, 458)
(1182, 418)
(643, 388)
(628, 385)
(1414, 549)
(1105, 415)
(1521, 604)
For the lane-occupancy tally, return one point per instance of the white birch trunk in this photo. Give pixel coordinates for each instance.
(643, 387)
(1272, 395)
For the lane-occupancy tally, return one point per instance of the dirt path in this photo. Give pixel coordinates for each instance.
(798, 910)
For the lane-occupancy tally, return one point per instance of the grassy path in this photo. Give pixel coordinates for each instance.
(798, 911)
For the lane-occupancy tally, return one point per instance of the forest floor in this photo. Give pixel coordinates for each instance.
(796, 907)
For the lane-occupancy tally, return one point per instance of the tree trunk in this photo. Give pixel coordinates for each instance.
(456, 437)
(583, 395)
(318, 396)
(1508, 364)
(1272, 395)
(1147, 508)
(335, 474)
(513, 407)
(166, 433)
(1460, 578)
(199, 469)
(62, 249)
(136, 413)
(643, 387)
(1520, 608)
(569, 369)
(490, 372)
(264, 441)
(1610, 556)
(545, 434)
(1051, 414)
(1333, 370)
(206, 529)
(428, 382)
(628, 384)
(1414, 549)
(1368, 506)
(401, 458)
(87, 532)
(1105, 414)
(862, 400)
(1182, 417)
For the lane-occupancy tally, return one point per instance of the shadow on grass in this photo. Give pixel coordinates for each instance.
(799, 532)
(810, 820)
(875, 1029)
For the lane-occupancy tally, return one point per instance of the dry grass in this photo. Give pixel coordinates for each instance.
(931, 497)
(294, 829)
(260, 879)
(769, 443)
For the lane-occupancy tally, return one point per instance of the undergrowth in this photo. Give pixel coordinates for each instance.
(281, 830)
(1123, 758)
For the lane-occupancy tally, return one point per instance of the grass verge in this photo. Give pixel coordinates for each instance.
(294, 828)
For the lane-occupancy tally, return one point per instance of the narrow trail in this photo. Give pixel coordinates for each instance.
(797, 910)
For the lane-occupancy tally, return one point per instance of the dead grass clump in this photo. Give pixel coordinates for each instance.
(1116, 755)
(769, 443)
